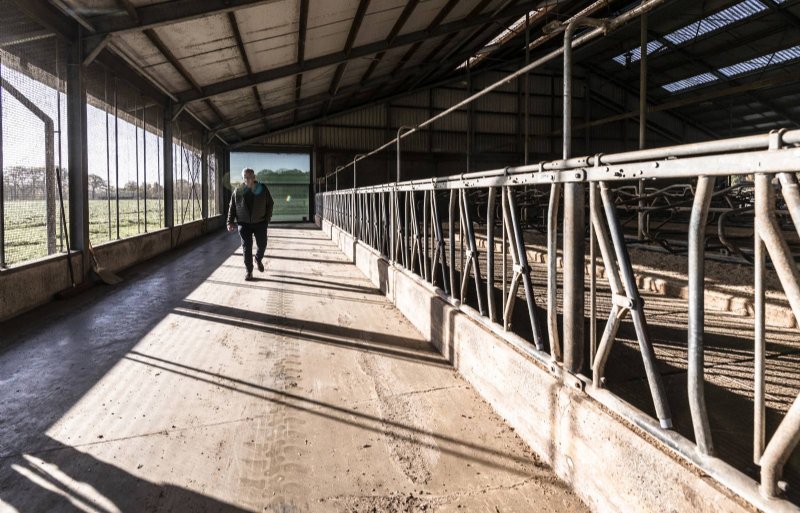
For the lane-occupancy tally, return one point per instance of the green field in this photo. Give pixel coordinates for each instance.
(291, 201)
(26, 232)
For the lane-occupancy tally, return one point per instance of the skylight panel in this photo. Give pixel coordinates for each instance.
(763, 61)
(686, 83)
(716, 21)
(711, 23)
(636, 53)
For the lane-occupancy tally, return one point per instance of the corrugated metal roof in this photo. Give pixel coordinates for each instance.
(686, 83)
(687, 33)
(758, 63)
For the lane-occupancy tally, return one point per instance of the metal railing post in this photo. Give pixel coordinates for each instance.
(696, 364)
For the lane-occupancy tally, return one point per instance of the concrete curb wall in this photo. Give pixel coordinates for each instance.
(33, 284)
(611, 462)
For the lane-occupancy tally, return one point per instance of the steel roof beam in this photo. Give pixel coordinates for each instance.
(432, 25)
(361, 11)
(343, 93)
(301, 49)
(49, 17)
(331, 59)
(390, 39)
(167, 13)
(176, 63)
(240, 45)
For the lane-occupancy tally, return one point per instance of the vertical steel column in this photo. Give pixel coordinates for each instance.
(470, 112)
(424, 263)
(695, 373)
(2, 191)
(144, 167)
(108, 153)
(642, 117)
(355, 210)
(169, 162)
(760, 348)
(504, 251)
(204, 142)
(490, 254)
(451, 234)
(77, 153)
(574, 244)
(527, 82)
(136, 160)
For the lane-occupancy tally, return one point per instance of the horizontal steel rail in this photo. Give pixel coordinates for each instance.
(404, 223)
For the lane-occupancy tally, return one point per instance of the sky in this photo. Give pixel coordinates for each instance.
(23, 139)
(259, 161)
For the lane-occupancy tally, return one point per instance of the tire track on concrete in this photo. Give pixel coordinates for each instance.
(272, 475)
(416, 453)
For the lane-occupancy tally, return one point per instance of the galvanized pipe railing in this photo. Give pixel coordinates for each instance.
(712, 159)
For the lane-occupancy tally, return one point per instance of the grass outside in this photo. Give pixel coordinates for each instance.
(25, 222)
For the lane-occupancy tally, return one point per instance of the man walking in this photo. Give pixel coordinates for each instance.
(251, 208)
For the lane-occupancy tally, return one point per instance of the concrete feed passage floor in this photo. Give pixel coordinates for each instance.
(188, 389)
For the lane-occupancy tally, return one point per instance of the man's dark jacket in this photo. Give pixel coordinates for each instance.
(259, 208)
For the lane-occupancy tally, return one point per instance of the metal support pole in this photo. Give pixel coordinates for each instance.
(695, 373)
(2, 190)
(169, 161)
(490, 253)
(116, 152)
(641, 219)
(144, 165)
(77, 153)
(355, 207)
(203, 176)
(574, 244)
(136, 160)
(451, 233)
(760, 348)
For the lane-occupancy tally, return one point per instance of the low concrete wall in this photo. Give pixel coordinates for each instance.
(601, 446)
(33, 284)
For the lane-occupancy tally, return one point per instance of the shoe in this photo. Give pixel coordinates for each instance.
(248, 276)
(260, 266)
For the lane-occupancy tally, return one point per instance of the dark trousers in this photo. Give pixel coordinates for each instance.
(247, 231)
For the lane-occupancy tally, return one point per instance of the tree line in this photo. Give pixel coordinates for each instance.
(24, 183)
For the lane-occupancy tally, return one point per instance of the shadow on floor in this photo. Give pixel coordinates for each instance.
(64, 479)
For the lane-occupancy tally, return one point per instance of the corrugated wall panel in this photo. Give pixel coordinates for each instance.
(360, 139)
(409, 117)
(418, 99)
(486, 79)
(299, 136)
(498, 103)
(451, 143)
(495, 143)
(496, 123)
(540, 85)
(374, 116)
(446, 98)
(418, 141)
(456, 121)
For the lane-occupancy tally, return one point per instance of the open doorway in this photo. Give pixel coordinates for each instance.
(287, 176)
